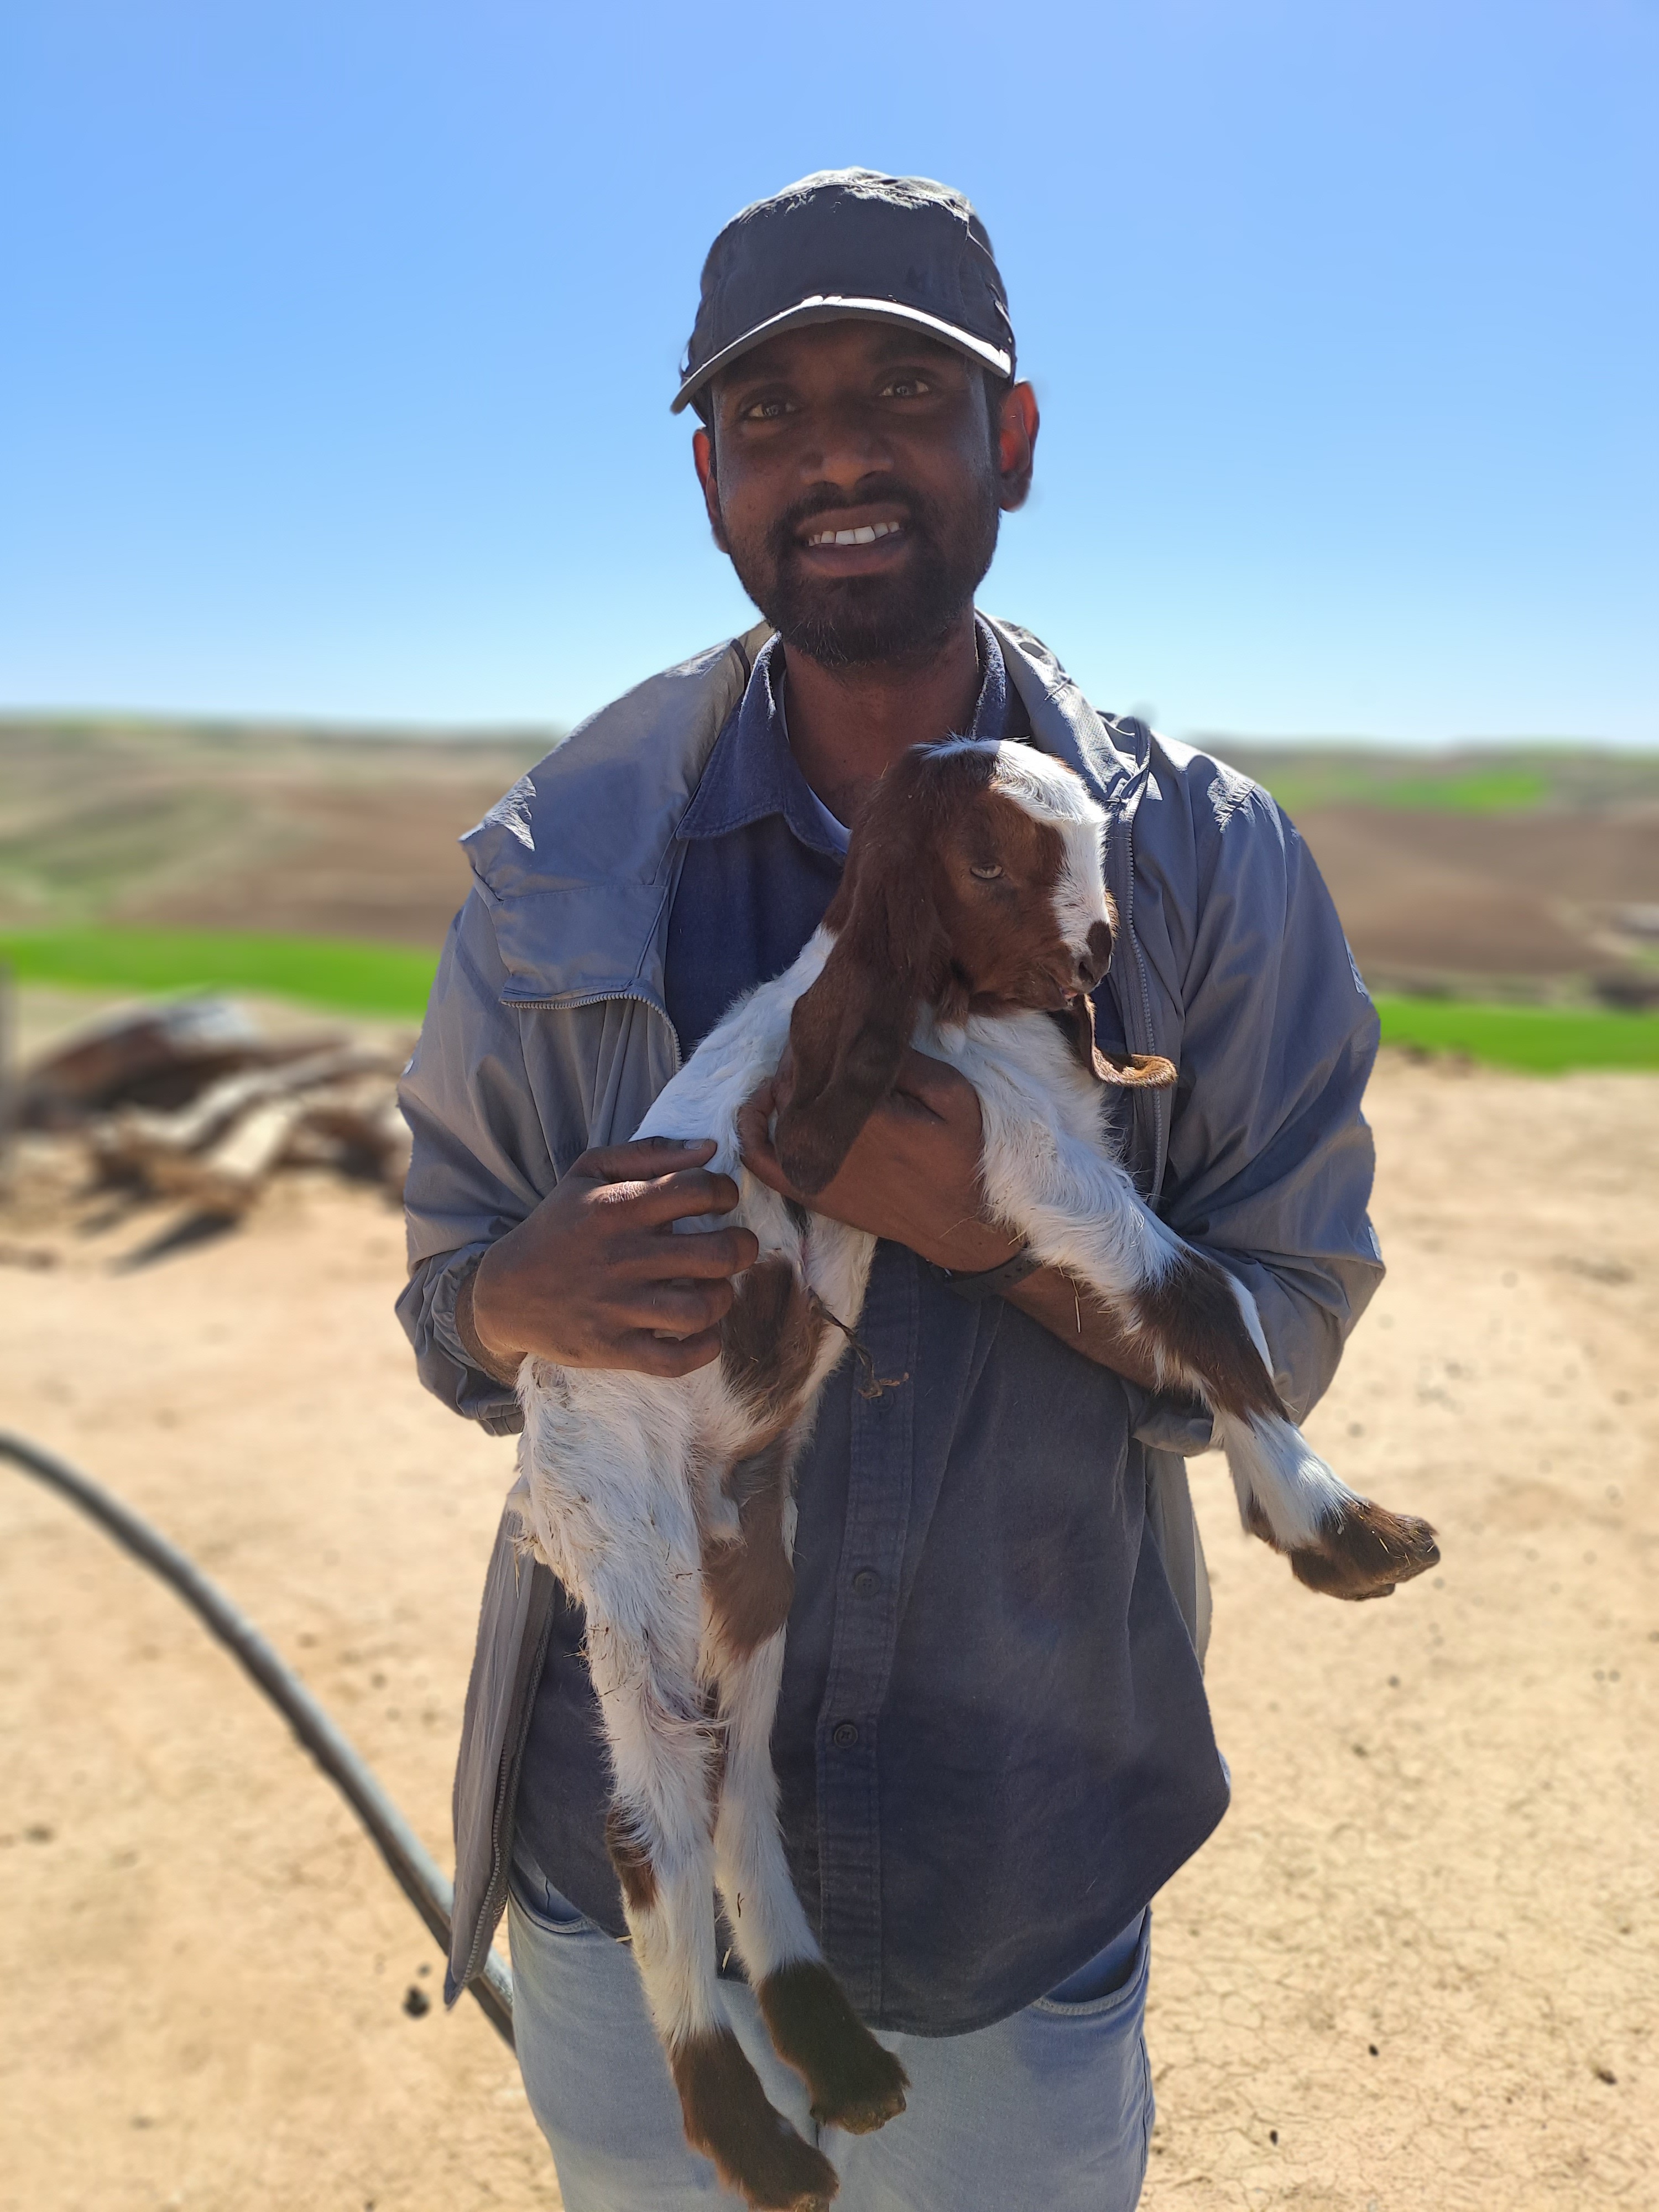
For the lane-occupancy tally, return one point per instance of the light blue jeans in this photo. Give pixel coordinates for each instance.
(1052, 2108)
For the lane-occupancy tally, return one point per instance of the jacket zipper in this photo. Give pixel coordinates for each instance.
(566, 1004)
(1148, 1039)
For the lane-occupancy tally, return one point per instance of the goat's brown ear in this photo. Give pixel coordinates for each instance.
(1132, 1070)
(1138, 1071)
(1076, 1019)
(850, 1030)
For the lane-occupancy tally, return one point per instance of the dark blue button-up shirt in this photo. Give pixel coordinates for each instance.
(992, 1741)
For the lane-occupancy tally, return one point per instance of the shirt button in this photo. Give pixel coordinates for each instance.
(844, 1736)
(866, 1581)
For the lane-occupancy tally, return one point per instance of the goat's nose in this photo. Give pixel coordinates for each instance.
(1096, 958)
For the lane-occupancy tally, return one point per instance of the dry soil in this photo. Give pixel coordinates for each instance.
(1415, 1967)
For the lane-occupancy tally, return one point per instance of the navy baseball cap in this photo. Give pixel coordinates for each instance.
(849, 243)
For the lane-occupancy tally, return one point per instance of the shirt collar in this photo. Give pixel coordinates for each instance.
(752, 772)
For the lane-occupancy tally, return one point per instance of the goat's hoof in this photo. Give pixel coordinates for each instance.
(855, 2084)
(865, 2096)
(1366, 1552)
(728, 2118)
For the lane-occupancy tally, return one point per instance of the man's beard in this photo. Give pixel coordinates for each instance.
(853, 621)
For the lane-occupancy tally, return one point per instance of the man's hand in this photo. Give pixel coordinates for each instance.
(913, 1176)
(596, 1277)
(913, 1173)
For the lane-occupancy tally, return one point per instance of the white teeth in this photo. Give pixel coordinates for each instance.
(866, 534)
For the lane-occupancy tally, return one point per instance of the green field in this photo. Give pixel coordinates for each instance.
(1472, 780)
(391, 980)
(1538, 1040)
(1477, 791)
(348, 977)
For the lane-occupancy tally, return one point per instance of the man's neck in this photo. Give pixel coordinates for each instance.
(848, 726)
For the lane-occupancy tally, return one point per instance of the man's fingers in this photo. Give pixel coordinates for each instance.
(762, 1104)
(643, 1159)
(754, 1140)
(674, 1197)
(645, 1354)
(674, 1310)
(654, 1257)
(939, 1087)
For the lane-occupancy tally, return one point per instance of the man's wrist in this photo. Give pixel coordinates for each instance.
(501, 1365)
(972, 1248)
(992, 1282)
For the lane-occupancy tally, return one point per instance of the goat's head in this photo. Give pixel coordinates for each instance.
(973, 884)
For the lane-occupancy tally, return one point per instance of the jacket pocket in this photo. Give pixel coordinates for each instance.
(1127, 1976)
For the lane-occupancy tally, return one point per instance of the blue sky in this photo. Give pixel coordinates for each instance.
(337, 339)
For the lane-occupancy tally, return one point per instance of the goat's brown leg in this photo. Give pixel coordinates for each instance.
(729, 2118)
(660, 1836)
(1081, 1212)
(1338, 1543)
(772, 1344)
(853, 2081)
(1368, 1553)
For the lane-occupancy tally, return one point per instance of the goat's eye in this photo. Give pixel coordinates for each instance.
(988, 875)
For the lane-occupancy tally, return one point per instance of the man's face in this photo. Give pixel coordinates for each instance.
(856, 477)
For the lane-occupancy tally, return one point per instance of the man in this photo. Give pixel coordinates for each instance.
(992, 1744)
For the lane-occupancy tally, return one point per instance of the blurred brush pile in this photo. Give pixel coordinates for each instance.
(188, 1100)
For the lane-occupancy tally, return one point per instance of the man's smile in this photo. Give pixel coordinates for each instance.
(853, 541)
(865, 534)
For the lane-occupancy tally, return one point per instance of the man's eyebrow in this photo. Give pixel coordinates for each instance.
(762, 366)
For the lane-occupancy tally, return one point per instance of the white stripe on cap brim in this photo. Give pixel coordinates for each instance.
(831, 308)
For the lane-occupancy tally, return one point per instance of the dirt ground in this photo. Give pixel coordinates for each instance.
(1416, 1966)
(1426, 896)
(341, 835)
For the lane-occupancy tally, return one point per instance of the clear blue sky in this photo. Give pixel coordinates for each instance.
(336, 338)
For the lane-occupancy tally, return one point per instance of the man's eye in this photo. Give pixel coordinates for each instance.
(988, 875)
(767, 410)
(906, 387)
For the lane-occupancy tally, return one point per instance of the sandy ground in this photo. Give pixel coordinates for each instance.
(1415, 1967)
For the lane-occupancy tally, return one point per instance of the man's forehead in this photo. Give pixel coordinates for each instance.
(851, 338)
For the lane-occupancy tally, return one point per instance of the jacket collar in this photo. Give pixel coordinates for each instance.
(752, 772)
(578, 862)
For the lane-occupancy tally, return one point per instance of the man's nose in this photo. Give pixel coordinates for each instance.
(851, 448)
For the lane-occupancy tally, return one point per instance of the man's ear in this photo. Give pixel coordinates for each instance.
(1017, 437)
(703, 457)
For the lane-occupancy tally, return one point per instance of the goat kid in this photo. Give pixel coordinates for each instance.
(973, 921)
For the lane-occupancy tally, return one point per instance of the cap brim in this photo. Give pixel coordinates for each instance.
(824, 307)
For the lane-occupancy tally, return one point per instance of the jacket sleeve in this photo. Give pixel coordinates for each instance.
(480, 1162)
(1270, 1161)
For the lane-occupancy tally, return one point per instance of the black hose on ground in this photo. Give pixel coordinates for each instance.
(416, 1873)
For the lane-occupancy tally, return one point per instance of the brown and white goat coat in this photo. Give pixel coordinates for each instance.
(972, 914)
